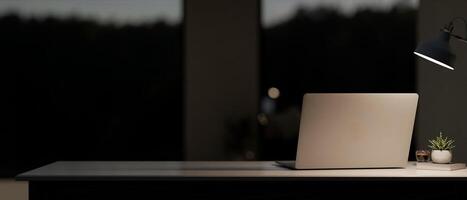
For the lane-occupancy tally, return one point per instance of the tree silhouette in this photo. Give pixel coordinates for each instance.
(79, 90)
(321, 50)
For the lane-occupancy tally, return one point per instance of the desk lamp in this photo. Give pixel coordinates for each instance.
(438, 50)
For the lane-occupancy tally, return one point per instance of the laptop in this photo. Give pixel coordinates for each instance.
(355, 130)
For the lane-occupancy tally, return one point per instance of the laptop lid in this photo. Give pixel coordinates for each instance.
(355, 130)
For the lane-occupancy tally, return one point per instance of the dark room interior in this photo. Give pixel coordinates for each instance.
(202, 99)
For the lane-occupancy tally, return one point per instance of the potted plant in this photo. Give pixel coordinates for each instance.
(441, 149)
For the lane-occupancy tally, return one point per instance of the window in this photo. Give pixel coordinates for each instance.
(91, 80)
(329, 46)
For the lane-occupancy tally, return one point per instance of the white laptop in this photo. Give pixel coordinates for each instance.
(355, 130)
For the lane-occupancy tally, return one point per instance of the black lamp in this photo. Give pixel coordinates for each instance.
(438, 50)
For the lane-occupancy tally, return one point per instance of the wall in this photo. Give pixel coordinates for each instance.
(443, 93)
(221, 72)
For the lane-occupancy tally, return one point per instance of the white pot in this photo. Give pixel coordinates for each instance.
(441, 156)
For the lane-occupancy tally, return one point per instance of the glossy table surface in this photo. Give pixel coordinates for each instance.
(223, 170)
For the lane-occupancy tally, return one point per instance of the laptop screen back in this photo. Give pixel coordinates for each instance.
(357, 130)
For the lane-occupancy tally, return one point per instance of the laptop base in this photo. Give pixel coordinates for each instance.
(287, 163)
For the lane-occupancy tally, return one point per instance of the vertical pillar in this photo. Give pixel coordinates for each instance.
(221, 72)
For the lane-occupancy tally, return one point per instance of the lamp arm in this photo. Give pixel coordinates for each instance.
(449, 28)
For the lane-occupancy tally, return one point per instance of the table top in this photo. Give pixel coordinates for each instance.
(220, 170)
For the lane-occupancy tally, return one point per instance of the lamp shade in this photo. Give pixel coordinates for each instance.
(437, 51)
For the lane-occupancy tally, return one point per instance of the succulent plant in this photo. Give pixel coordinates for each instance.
(441, 143)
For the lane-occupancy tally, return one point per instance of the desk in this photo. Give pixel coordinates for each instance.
(236, 180)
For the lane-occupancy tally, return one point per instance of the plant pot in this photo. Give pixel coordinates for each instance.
(441, 156)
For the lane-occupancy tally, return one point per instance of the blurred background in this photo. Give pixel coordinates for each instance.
(186, 80)
(329, 46)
